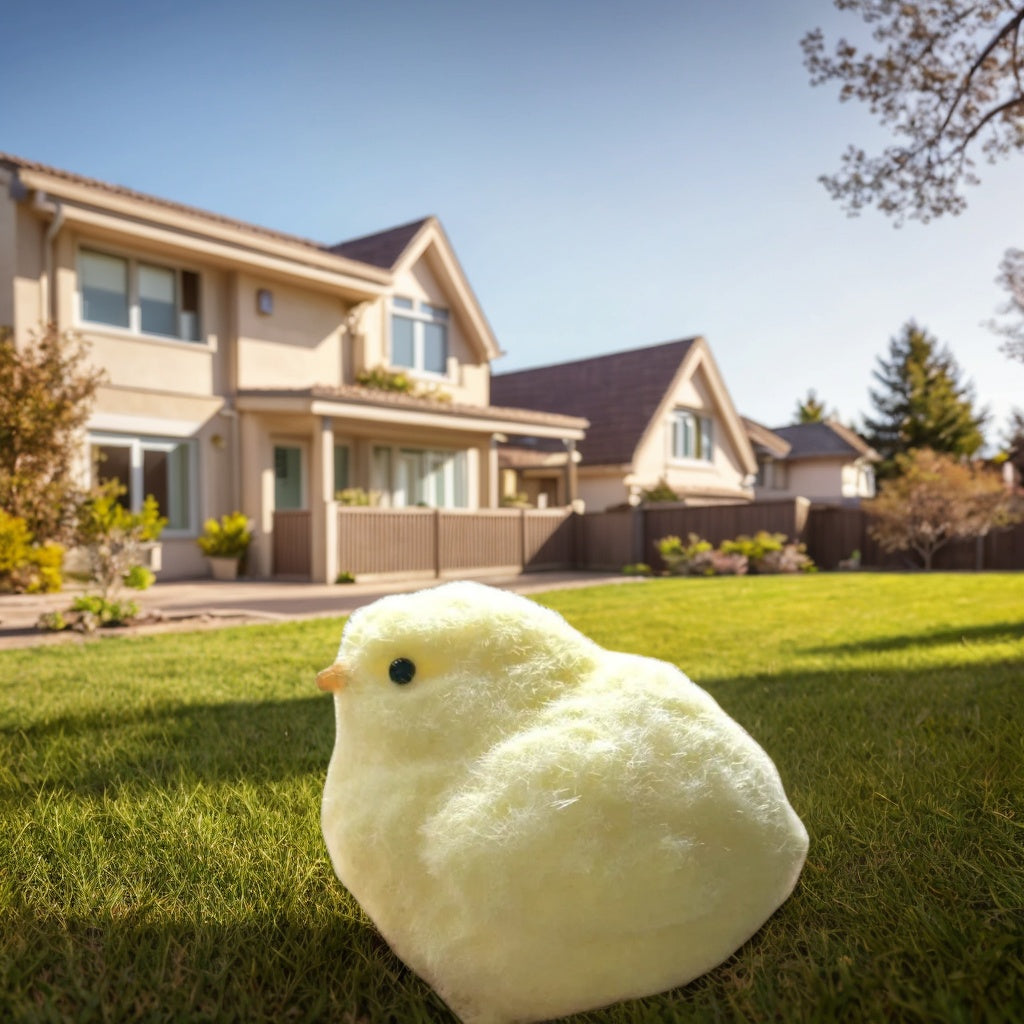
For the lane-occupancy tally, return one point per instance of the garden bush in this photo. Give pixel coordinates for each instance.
(763, 553)
(26, 567)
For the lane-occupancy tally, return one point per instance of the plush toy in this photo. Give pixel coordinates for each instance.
(536, 825)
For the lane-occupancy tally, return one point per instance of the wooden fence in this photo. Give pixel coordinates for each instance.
(833, 534)
(456, 542)
(446, 542)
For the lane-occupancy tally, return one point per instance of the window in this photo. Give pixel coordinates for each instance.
(413, 476)
(162, 467)
(341, 459)
(692, 436)
(419, 336)
(141, 297)
(288, 477)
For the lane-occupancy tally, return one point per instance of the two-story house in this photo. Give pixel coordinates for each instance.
(233, 356)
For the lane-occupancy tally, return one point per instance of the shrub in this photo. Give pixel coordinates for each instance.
(382, 379)
(690, 559)
(660, 492)
(344, 577)
(89, 613)
(26, 567)
(637, 569)
(356, 497)
(770, 553)
(228, 537)
(113, 538)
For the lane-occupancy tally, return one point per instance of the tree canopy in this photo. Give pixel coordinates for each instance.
(946, 77)
(811, 409)
(921, 401)
(936, 499)
(45, 395)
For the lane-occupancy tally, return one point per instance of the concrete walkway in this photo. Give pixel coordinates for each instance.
(206, 604)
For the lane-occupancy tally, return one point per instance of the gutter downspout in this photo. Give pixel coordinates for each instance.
(48, 293)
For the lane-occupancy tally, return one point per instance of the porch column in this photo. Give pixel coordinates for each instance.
(323, 509)
(570, 471)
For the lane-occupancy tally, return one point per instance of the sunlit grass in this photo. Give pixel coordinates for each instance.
(160, 854)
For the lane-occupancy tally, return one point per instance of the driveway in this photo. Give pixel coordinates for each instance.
(206, 604)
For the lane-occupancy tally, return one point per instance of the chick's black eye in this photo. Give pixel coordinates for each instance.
(401, 671)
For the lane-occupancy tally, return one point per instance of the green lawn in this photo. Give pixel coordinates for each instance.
(160, 853)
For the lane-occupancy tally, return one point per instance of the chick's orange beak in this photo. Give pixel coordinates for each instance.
(332, 679)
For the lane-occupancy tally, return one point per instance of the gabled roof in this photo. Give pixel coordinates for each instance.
(383, 248)
(619, 393)
(765, 441)
(827, 438)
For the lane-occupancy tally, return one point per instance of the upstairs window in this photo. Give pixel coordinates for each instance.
(142, 297)
(692, 436)
(419, 336)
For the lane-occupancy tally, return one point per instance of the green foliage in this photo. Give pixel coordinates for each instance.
(139, 577)
(380, 378)
(26, 567)
(637, 569)
(344, 577)
(660, 492)
(228, 537)
(756, 547)
(46, 392)
(921, 402)
(355, 497)
(811, 409)
(519, 500)
(114, 537)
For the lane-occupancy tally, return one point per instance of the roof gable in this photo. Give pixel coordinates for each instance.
(382, 248)
(619, 393)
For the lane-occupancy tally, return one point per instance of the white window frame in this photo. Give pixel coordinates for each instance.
(692, 437)
(134, 301)
(137, 445)
(435, 466)
(419, 313)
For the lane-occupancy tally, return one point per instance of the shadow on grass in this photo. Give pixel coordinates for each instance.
(991, 633)
(256, 741)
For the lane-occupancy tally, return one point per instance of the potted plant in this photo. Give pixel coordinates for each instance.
(225, 543)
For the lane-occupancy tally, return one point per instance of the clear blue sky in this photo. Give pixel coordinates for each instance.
(611, 175)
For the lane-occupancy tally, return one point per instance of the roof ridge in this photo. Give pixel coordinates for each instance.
(602, 356)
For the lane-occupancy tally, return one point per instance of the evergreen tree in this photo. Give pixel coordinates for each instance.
(921, 402)
(811, 409)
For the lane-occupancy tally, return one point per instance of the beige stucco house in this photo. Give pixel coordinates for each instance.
(660, 413)
(827, 463)
(232, 356)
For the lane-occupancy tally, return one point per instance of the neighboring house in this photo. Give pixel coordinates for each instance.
(660, 413)
(825, 462)
(232, 354)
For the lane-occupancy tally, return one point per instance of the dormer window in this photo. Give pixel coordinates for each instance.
(692, 436)
(419, 336)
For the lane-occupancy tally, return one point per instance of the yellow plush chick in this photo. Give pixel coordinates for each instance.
(536, 825)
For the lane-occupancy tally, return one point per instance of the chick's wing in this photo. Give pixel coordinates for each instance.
(636, 800)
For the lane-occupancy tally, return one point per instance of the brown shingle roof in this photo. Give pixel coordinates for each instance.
(619, 393)
(381, 249)
(807, 440)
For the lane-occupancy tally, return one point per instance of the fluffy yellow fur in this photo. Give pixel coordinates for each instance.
(538, 826)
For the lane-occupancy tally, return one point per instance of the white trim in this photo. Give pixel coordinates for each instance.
(123, 423)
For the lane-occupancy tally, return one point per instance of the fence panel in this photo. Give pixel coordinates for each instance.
(548, 540)
(291, 548)
(488, 539)
(606, 539)
(374, 541)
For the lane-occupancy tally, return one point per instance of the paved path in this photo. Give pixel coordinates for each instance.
(205, 604)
